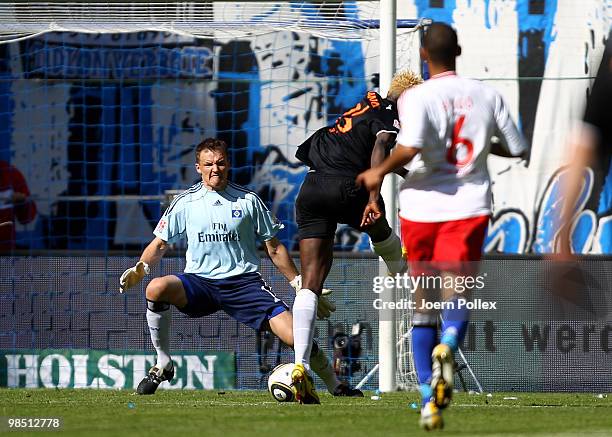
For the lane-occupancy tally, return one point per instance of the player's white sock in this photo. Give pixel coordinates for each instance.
(304, 315)
(159, 328)
(321, 366)
(390, 250)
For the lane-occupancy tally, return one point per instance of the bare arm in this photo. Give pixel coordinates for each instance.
(401, 156)
(154, 252)
(585, 139)
(280, 257)
(582, 147)
(383, 140)
(372, 212)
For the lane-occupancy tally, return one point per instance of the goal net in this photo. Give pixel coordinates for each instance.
(101, 104)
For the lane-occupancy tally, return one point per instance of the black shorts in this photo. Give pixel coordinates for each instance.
(326, 200)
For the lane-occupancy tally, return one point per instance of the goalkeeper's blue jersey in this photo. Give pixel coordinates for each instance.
(222, 229)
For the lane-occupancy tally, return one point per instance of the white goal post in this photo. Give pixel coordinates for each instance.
(387, 354)
(391, 43)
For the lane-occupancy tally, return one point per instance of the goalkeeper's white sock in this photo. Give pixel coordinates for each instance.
(390, 250)
(159, 328)
(304, 315)
(321, 366)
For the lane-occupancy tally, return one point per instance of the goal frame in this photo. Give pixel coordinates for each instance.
(387, 26)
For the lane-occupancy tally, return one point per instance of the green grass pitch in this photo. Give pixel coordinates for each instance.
(252, 413)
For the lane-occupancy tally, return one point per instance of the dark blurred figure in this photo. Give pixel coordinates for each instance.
(591, 145)
(15, 204)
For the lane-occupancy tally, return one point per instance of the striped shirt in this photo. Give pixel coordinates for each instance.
(222, 229)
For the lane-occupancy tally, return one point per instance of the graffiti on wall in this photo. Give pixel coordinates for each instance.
(104, 119)
(545, 54)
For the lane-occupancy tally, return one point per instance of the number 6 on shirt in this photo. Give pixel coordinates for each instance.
(461, 151)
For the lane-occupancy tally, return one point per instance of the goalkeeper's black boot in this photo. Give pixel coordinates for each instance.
(345, 390)
(155, 377)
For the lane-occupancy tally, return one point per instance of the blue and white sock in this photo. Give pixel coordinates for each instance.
(424, 339)
(426, 393)
(454, 326)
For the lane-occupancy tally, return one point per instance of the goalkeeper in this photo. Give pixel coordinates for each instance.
(222, 223)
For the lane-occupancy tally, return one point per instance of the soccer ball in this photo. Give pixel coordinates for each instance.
(280, 385)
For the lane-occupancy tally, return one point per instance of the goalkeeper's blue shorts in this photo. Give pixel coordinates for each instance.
(246, 298)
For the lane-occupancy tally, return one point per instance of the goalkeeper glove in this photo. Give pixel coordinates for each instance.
(324, 306)
(133, 275)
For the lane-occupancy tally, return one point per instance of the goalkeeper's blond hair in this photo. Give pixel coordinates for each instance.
(402, 80)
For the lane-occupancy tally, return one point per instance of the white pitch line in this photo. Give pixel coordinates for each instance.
(519, 406)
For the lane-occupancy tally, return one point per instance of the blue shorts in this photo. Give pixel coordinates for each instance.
(246, 298)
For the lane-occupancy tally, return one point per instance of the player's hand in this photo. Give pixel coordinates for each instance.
(371, 213)
(369, 179)
(324, 306)
(133, 276)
